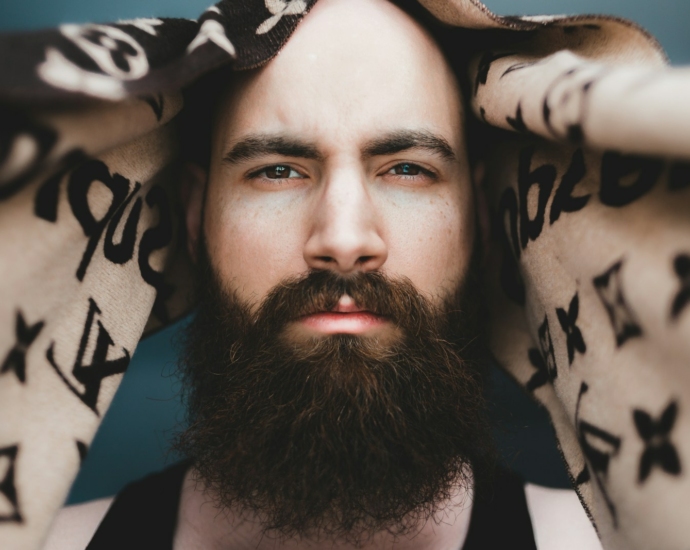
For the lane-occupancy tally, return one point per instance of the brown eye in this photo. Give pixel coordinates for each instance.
(279, 172)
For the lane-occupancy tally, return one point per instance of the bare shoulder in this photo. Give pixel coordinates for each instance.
(559, 521)
(74, 526)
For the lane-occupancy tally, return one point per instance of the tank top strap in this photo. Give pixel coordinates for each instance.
(144, 513)
(500, 517)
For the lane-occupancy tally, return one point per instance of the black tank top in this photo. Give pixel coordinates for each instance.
(144, 514)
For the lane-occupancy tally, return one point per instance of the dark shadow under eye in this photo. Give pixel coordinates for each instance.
(407, 169)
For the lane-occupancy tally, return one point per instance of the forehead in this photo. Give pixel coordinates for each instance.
(352, 70)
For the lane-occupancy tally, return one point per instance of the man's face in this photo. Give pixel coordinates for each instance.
(332, 366)
(344, 153)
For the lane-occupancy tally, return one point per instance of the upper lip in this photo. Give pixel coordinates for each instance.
(347, 308)
(344, 305)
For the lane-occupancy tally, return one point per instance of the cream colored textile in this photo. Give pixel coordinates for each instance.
(589, 278)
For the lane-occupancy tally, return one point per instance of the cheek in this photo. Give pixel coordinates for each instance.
(253, 244)
(431, 242)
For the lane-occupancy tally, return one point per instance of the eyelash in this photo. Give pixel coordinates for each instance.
(259, 172)
(422, 172)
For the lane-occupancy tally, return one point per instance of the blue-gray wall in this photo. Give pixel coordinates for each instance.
(668, 20)
(133, 439)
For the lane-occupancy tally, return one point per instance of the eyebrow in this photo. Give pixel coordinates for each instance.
(402, 140)
(258, 145)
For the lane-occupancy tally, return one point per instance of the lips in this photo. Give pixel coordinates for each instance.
(343, 323)
(345, 318)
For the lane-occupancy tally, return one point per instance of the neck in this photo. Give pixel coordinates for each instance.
(201, 524)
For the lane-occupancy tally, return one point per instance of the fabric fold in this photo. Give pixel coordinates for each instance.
(586, 140)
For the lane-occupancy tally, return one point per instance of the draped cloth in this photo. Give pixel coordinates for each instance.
(588, 281)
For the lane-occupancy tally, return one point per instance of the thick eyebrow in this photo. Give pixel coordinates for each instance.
(402, 140)
(258, 145)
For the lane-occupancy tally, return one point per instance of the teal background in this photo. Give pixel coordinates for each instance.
(668, 20)
(133, 439)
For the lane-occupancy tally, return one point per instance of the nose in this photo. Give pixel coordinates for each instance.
(345, 231)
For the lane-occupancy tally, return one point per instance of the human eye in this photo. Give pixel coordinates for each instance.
(276, 172)
(410, 170)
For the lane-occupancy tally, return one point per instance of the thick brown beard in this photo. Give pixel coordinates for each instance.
(346, 436)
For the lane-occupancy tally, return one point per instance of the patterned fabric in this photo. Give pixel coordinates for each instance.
(589, 284)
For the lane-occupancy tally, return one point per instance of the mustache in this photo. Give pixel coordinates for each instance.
(396, 299)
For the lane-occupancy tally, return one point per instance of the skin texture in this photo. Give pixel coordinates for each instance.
(354, 72)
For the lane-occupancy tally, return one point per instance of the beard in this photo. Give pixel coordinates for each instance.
(338, 435)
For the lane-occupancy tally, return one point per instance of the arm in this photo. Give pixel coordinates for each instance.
(558, 520)
(74, 526)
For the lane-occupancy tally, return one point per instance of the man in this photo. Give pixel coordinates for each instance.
(334, 364)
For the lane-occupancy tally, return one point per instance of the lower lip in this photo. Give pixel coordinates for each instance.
(343, 323)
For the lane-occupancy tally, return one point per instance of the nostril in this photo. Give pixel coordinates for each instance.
(325, 259)
(364, 259)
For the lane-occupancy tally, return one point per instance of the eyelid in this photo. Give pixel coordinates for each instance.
(255, 172)
(426, 170)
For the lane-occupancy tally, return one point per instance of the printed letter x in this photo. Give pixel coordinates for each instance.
(16, 357)
(91, 376)
(568, 321)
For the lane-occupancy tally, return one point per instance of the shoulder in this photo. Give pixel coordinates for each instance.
(74, 526)
(558, 520)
